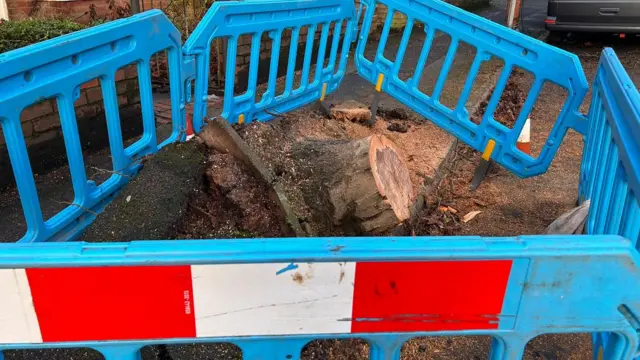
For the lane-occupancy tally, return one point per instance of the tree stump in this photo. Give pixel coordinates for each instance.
(355, 186)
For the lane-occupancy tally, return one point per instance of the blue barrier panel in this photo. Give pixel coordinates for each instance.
(56, 69)
(230, 20)
(546, 63)
(610, 173)
(279, 294)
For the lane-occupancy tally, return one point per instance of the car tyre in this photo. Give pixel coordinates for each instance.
(556, 36)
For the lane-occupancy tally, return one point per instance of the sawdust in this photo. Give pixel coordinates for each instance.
(344, 349)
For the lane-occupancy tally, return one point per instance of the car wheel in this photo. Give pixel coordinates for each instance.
(556, 36)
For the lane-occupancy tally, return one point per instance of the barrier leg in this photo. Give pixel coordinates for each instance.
(387, 351)
(120, 352)
(321, 105)
(483, 167)
(507, 348)
(376, 100)
(288, 349)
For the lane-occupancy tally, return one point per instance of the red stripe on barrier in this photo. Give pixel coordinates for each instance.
(113, 303)
(429, 296)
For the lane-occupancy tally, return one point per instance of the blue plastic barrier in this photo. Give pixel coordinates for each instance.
(56, 69)
(610, 173)
(278, 294)
(512, 289)
(545, 62)
(271, 17)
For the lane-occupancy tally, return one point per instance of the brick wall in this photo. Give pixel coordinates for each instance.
(41, 122)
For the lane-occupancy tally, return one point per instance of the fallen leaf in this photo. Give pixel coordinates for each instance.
(470, 216)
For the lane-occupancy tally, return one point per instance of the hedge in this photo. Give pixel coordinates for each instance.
(16, 34)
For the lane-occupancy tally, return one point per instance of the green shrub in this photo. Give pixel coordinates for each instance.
(16, 34)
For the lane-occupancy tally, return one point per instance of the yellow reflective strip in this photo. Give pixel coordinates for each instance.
(600, 353)
(379, 83)
(241, 119)
(488, 150)
(324, 91)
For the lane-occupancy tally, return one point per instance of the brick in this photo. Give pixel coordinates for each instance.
(43, 137)
(245, 40)
(244, 50)
(120, 75)
(46, 123)
(27, 129)
(122, 87)
(90, 84)
(88, 111)
(122, 100)
(94, 95)
(131, 71)
(82, 100)
(134, 97)
(36, 110)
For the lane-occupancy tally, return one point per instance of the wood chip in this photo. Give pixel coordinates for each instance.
(443, 208)
(470, 216)
(452, 210)
(479, 203)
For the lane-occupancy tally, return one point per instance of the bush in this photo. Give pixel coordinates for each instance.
(16, 34)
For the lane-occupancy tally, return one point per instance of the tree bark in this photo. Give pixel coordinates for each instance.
(355, 186)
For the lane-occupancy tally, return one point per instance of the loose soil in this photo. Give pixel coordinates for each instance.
(232, 203)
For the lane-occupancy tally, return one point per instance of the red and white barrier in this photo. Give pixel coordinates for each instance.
(187, 301)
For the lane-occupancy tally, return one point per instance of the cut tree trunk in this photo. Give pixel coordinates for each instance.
(354, 186)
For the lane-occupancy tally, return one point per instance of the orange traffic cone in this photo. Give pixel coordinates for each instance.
(524, 140)
(190, 133)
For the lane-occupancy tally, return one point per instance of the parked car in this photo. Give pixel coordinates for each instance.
(614, 16)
